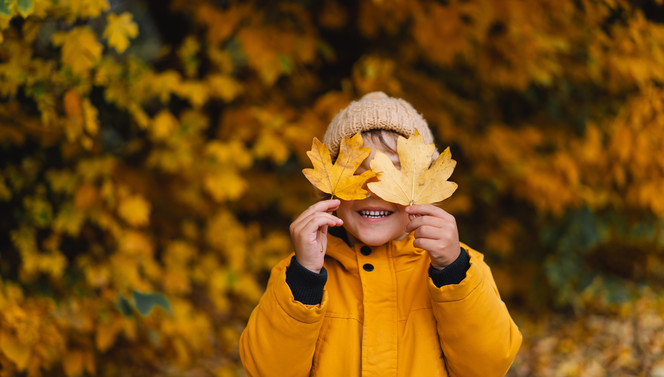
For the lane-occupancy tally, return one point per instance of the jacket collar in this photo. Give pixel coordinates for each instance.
(401, 251)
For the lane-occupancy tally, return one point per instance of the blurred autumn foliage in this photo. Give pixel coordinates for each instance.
(152, 154)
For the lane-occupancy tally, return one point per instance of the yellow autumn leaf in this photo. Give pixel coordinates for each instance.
(179, 253)
(140, 116)
(73, 104)
(418, 181)
(188, 54)
(224, 87)
(119, 29)
(90, 114)
(233, 153)
(69, 220)
(225, 184)
(80, 49)
(163, 125)
(271, 145)
(135, 243)
(89, 362)
(72, 363)
(106, 333)
(83, 8)
(135, 210)
(5, 192)
(339, 179)
(195, 91)
(14, 350)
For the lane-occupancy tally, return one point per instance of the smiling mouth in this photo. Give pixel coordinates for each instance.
(374, 214)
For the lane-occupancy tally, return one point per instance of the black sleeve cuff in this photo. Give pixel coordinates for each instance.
(306, 286)
(452, 274)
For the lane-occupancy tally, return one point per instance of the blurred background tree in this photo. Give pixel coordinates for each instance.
(151, 156)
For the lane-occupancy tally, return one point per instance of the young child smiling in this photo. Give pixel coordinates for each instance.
(393, 292)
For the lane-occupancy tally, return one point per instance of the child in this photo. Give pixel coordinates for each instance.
(393, 292)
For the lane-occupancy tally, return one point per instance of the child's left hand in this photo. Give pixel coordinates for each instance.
(436, 232)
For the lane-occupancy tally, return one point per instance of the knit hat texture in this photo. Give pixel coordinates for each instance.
(375, 111)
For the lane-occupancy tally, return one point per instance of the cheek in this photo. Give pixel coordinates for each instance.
(344, 210)
(403, 218)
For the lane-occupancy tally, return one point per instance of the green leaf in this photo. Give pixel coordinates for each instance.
(144, 302)
(124, 306)
(326, 50)
(25, 7)
(5, 9)
(286, 63)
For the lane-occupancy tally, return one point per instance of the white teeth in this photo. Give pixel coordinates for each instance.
(375, 214)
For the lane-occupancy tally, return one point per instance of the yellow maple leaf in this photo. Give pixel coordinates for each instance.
(135, 210)
(225, 184)
(72, 363)
(163, 125)
(80, 49)
(119, 29)
(195, 91)
(233, 153)
(339, 179)
(82, 8)
(224, 87)
(69, 220)
(90, 114)
(16, 351)
(271, 145)
(106, 333)
(418, 182)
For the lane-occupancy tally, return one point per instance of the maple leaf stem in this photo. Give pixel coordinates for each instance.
(319, 235)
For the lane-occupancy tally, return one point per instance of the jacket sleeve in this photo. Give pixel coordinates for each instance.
(280, 337)
(477, 334)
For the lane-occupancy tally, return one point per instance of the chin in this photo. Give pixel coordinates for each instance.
(375, 240)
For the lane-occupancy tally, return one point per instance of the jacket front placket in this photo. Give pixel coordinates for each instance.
(379, 298)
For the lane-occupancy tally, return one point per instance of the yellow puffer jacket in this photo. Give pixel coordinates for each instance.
(391, 321)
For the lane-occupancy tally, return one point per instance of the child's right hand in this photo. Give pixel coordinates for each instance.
(309, 233)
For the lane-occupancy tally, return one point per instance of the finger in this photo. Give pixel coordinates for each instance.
(322, 206)
(325, 206)
(329, 205)
(431, 245)
(430, 232)
(426, 244)
(313, 236)
(317, 221)
(426, 210)
(440, 239)
(426, 220)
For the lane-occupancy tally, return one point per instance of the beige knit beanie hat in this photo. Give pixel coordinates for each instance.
(375, 111)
